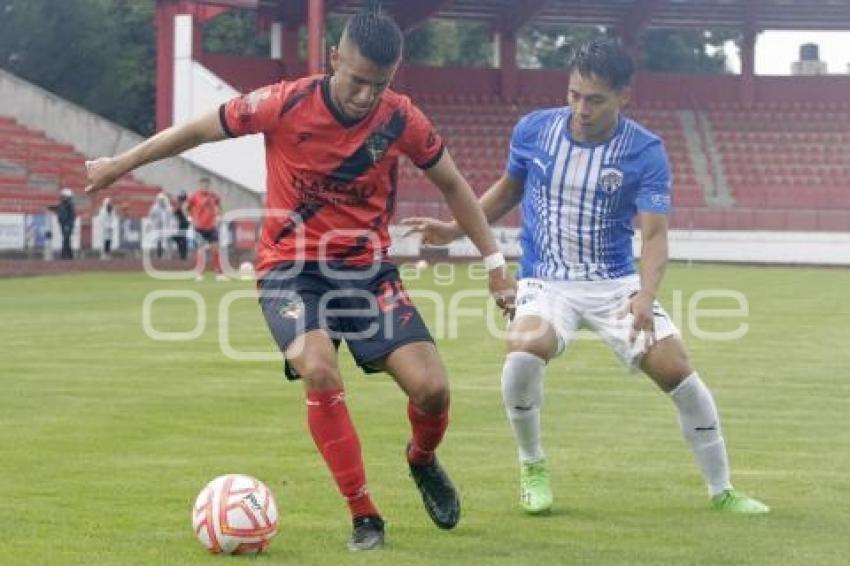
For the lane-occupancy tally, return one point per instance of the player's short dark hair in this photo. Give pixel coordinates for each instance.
(604, 58)
(377, 37)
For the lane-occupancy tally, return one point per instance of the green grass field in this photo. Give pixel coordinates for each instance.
(106, 436)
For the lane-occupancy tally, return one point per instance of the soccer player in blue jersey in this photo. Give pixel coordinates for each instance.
(581, 174)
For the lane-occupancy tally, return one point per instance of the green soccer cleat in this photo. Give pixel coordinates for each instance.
(731, 501)
(535, 495)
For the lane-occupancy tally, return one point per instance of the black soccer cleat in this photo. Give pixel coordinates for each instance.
(368, 533)
(438, 493)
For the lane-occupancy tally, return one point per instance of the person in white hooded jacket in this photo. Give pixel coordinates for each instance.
(160, 217)
(107, 220)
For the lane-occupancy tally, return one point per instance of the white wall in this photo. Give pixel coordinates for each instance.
(11, 231)
(197, 90)
(821, 248)
(814, 248)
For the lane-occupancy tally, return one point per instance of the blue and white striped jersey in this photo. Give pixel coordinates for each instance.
(580, 199)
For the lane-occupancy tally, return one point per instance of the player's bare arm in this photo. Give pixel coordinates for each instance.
(470, 218)
(653, 262)
(497, 201)
(104, 171)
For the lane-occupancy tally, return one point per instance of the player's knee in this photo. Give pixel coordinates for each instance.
(678, 362)
(667, 363)
(319, 374)
(543, 349)
(533, 337)
(431, 395)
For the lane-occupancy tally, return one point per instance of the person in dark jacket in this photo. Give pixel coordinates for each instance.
(67, 216)
(182, 225)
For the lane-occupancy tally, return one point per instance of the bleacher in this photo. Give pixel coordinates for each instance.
(787, 168)
(33, 168)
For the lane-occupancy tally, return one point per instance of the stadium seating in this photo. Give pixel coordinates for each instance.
(787, 166)
(33, 168)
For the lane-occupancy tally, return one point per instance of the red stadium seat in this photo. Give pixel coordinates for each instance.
(41, 163)
(785, 160)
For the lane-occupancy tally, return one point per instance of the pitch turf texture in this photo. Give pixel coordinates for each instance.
(106, 436)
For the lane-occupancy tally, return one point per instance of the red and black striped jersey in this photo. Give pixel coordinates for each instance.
(331, 183)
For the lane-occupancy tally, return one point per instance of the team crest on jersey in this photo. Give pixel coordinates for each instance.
(257, 97)
(377, 146)
(249, 103)
(610, 180)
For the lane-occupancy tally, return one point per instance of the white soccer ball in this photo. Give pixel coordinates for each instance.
(421, 265)
(246, 271)
(235, 514)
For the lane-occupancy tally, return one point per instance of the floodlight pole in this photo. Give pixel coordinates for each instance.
(508, 71)
(315, 36)
(748, 55)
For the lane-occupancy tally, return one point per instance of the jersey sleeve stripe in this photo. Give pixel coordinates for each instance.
(222, 117)
(434, 160)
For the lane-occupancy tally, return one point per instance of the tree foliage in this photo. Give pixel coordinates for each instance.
(664, 50)
(99, 54)
(685, 51)
(235, 33)
(443, 43)
(548, 47)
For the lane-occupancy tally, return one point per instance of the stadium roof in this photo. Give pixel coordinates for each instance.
(512, 14)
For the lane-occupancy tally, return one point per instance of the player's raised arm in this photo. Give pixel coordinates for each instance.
(497, 201)
(501, 198)
(172, 141)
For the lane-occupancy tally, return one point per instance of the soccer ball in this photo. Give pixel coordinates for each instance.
(421, 265)
(235, 514)
(246, 271)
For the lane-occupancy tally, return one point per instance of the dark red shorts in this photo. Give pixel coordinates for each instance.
(367, 307)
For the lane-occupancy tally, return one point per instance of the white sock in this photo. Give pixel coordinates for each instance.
(522, 393)
(701, 429)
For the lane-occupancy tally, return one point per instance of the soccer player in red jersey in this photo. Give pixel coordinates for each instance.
(332, 147)
(204, 207)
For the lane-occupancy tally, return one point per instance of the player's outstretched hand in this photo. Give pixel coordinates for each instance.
(434, 232)
(102, 172)
(503, 290)
(640, 306)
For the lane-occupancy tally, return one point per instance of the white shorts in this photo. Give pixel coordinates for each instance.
(596, 305)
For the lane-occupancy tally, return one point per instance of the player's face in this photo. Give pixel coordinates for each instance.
(595, 105)
(357, 82)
